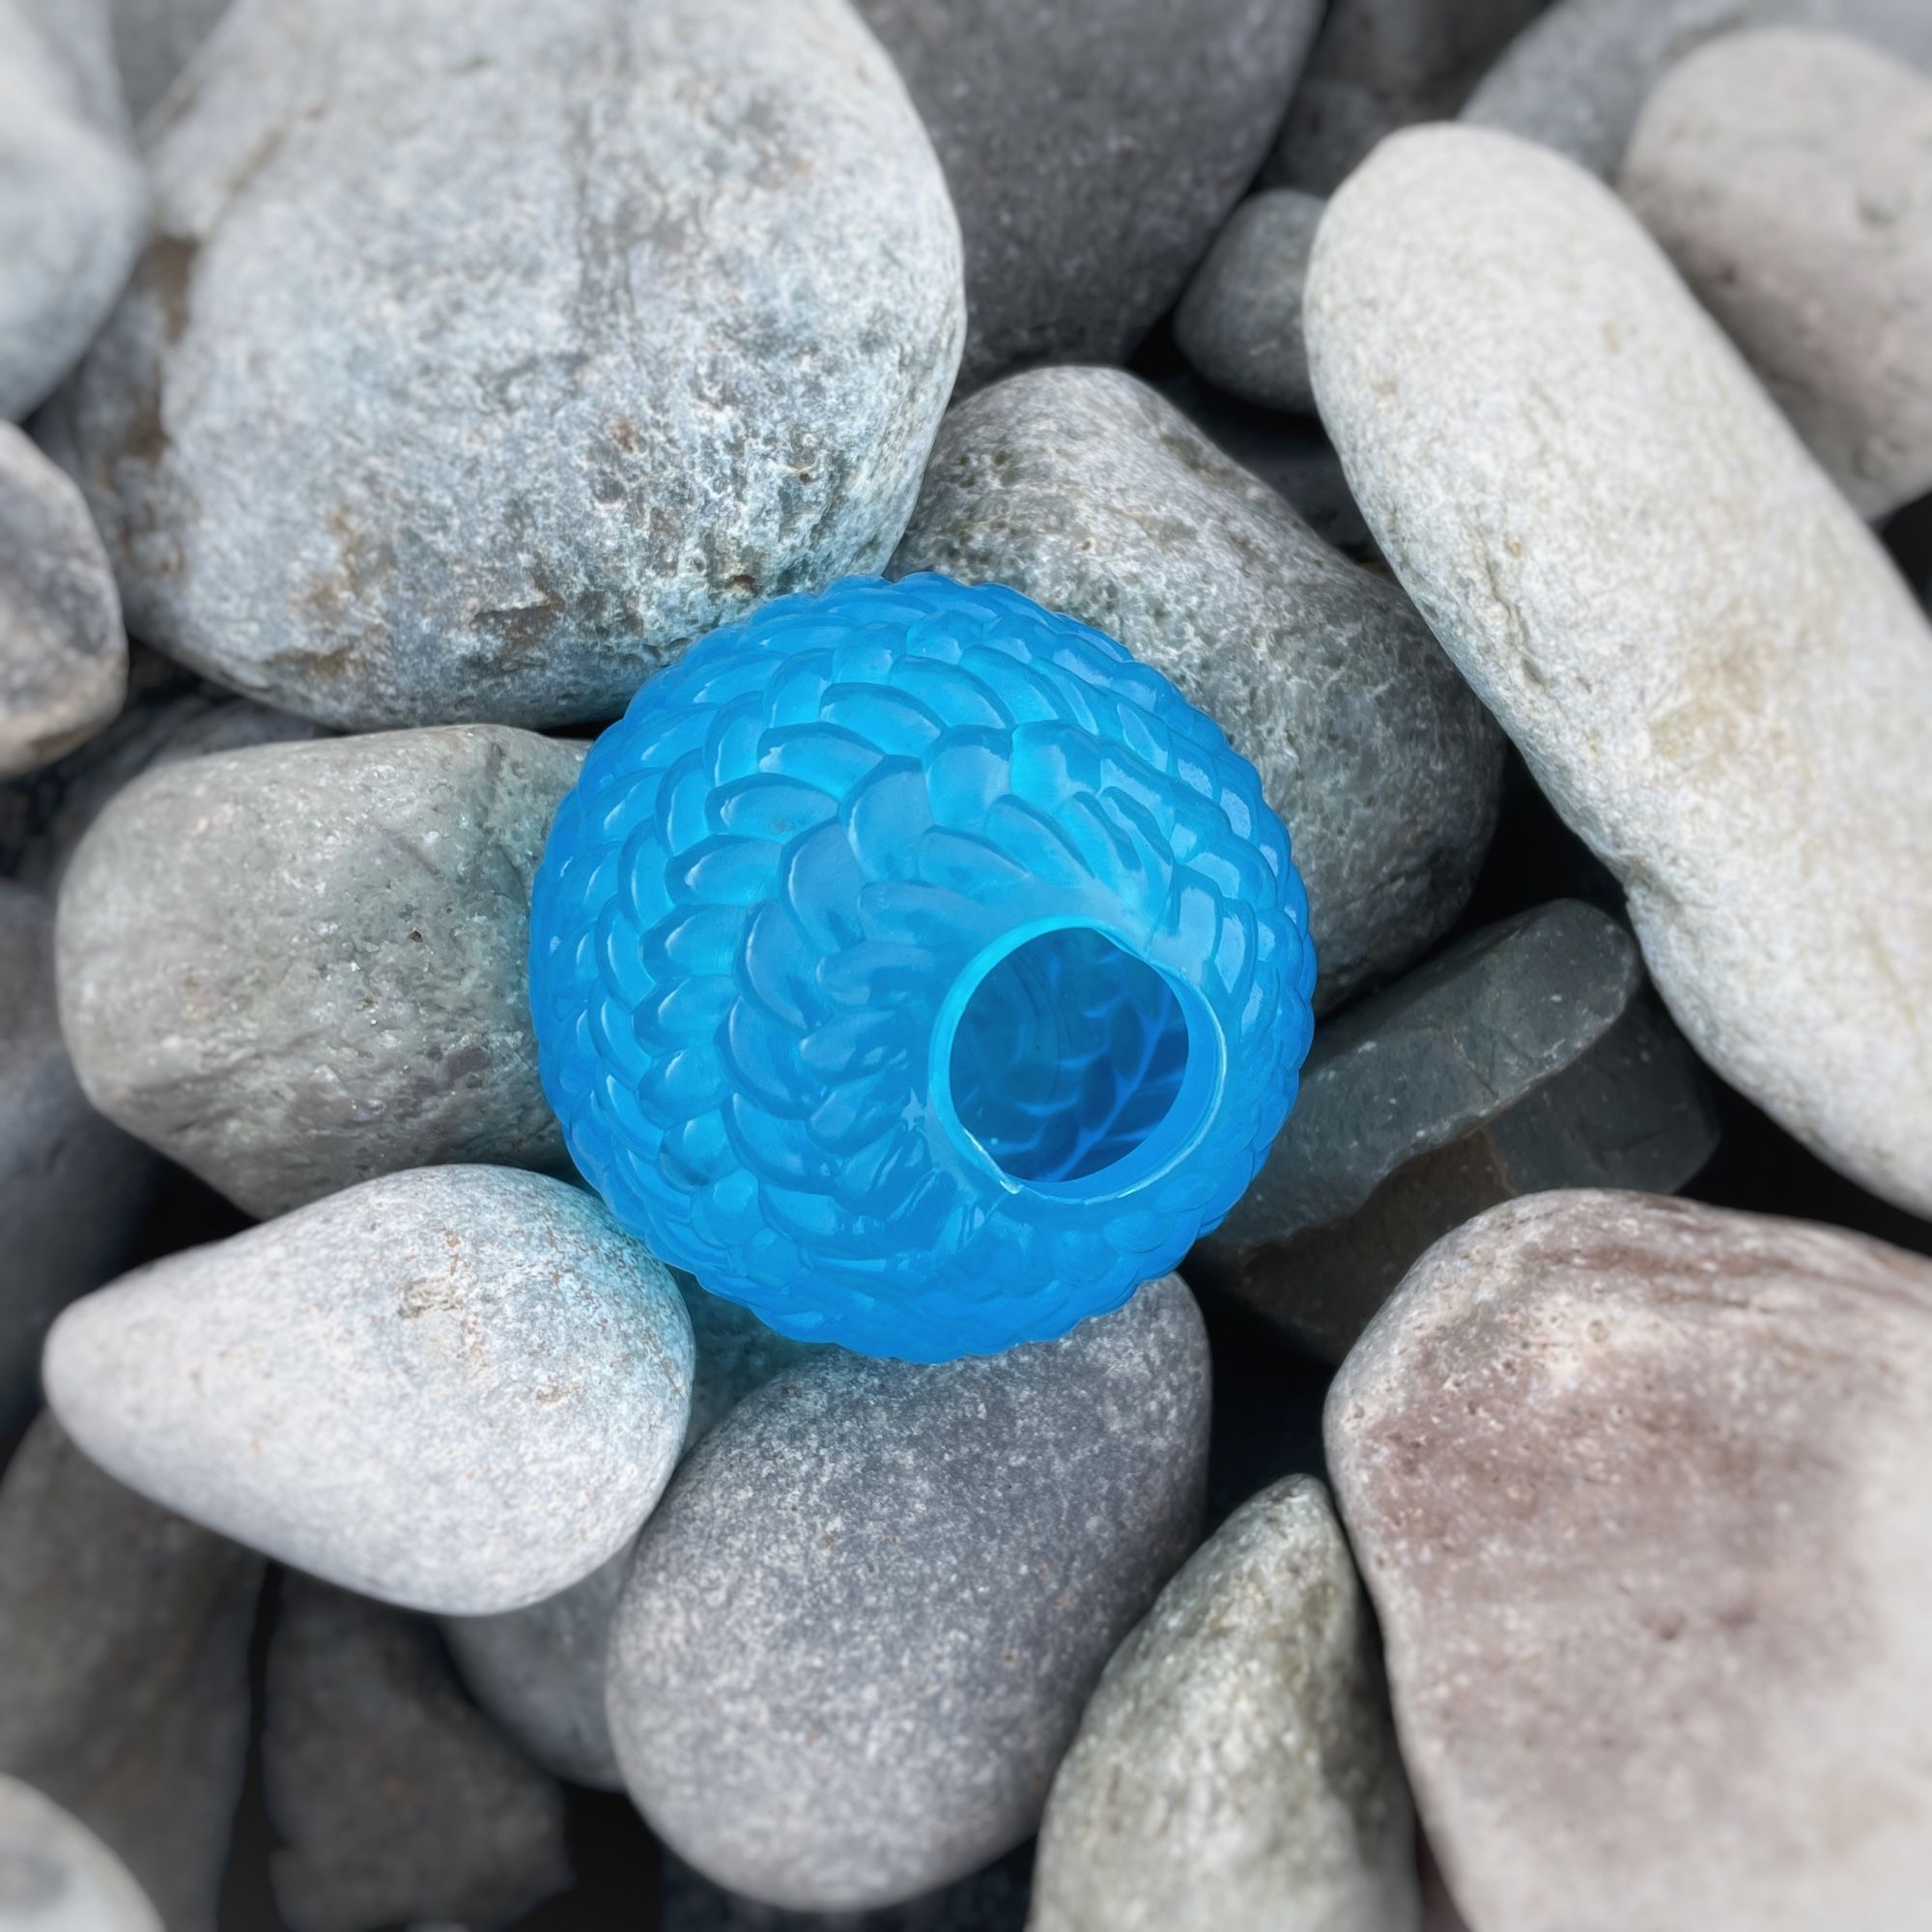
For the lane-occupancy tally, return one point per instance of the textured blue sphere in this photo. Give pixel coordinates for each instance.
(914, 967)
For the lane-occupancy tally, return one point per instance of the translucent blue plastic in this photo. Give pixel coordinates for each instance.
(918, 969)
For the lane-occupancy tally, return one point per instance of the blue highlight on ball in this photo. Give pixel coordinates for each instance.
(917, 968)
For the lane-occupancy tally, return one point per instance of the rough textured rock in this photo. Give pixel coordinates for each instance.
(1092, 152)
(1087, 492)
(991, 1900)
(73, 1185)
(392, 1796)
(736, 1353)
(1676, 1456)
(861, 1626)
(153, 42)
(1240, 323)
(1236, 1766)
(298, 967)
(595, 324)
(56, 1876)
(73, 206)
(1530, 1055)
(1711, 665)
(459, 1389)
(1788, 175)
(63, 654)
(124, 1669)
(1576, 78)
(1381, 64)
(170, 715)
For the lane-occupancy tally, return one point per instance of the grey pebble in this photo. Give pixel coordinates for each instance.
(124, 1669)
(863, 1622)
(153, 39)
(392, 1794)
(992, 1899)
(1086, 490)
(459, 1389)
(56, 1876)
(1092, 152)
(1240, 322)
(595, 324)
(1530, 1055)
(1381, 64)
(1576, 77)
(296, 967)
(72, 1187)
(73, 206)
(63, 654)
(1788, 175)
(1238, 1764)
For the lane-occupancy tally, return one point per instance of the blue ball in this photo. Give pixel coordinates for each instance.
(913, 966)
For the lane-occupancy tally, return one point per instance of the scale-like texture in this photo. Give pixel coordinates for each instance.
(762, 908)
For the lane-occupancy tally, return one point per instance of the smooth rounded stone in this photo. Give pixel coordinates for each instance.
(861, 1627)
(393, 1798)
(1530, 1055)
(1087, 492)
(1381, 64)
(736, 1353)
(73, 204)
(459, 1389)
(170, 715)
(595, 323)
(124, 1670)
(298, 967)
(56, 1876)
(1576, 78)
(1676, 1456)
(1237, 1766)
(1240, 323)
(1712, 668)
(1092, 152)
(74, 1187)
(993, 1899)
(154, 40)
(1788, 175)
(63, 654)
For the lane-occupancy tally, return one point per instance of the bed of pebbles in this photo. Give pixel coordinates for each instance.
(1512, 422)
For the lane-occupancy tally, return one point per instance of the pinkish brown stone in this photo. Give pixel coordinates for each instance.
(1637, 1487)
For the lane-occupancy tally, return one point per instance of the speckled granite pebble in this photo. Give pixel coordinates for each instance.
(1788, 175)
(1086, 490)
(459, 1389)
(993, 1899)
(56, 1876)
(594, 324)
(297, 967)
(1240, 322)
(392, 1797)
(1675, 1456)
(863, 1622)
(1236, 1766)
(1713, 669)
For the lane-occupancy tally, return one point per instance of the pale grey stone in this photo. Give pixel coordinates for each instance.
(1086, 490)
(72, 1187)
(1576, 78)
(124, 1669)
(1381, 64)
(392, 1794)
(1637, 1489)
(862, 1625)
(488, 352)
(56, 1876)
(1530, 1055)
(1240, 323)
(63, 654)
(1788, 175)
(299, 966)
(1237, 1766)
(154, 40)
(1711, 665)
(1092, 152)
(73, 206)
(459, 1389)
